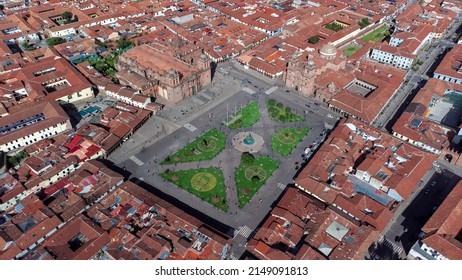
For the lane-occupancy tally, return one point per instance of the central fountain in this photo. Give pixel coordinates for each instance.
(248, 142)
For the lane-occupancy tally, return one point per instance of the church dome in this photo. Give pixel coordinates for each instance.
(328, 50)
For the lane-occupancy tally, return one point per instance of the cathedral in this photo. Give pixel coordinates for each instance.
(303, 70)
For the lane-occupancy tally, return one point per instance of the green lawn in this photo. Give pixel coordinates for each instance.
(279, 113)
(377, 35)
(247, 116)
(334, 26)
(104, 65)
(285, 140)
(251, 176)
(205, 147)
(205, 183)
(350, 50)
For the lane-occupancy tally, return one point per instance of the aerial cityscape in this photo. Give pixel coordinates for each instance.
(231, 130)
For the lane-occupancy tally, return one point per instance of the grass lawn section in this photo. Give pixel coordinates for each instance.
(350, 50)
(377, 35)
(261, 167)
(250, 114)
(334, 26)
(205, 147)
(279, 113)
(104, 65)
(285, 140)
(215, 195)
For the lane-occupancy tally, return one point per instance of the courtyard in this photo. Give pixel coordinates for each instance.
(377, 35)
(351, 50)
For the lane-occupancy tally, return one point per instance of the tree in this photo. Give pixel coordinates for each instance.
(272, 110)
(334, 26)
(53, 41)
(271, 102)
(247, 158)
(100, 43)
(67, 16)
(123, 43)
(314, 39)
(386, 33)
(255, 180)
(364, 22)
(168, 160)
(27, 46)
(382, 252)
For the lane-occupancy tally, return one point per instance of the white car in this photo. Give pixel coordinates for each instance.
(330, 116)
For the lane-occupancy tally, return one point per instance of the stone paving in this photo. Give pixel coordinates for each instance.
(221, 88)
(151, 150)
(172, 118)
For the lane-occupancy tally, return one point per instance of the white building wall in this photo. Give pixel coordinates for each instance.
(62, 33)
(388, 58)
(36, 136)
(86, 94)
(395, 41)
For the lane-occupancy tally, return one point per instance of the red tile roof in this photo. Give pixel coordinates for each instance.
(337, 170)
(387, 80)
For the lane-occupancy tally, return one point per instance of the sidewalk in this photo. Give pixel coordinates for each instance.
(152, 131)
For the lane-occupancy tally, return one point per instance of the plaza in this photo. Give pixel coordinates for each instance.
(246, 205)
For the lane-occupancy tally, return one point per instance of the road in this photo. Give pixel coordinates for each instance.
(416, 79)
(403, 230)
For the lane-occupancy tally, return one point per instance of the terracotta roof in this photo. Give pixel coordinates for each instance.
(341, 173)
(387, 80)
(92, 239)
(451, 65)
(447, 218)
(37, 232)
(51, 110)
